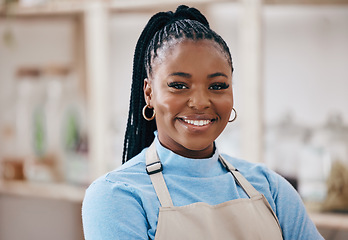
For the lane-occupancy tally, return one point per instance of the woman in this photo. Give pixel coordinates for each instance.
(181, 187)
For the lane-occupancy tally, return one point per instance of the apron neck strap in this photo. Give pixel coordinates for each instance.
(241, 181)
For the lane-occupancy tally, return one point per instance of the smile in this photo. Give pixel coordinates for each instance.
(198, 122)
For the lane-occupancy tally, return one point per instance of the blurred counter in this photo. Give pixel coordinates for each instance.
(56, 191)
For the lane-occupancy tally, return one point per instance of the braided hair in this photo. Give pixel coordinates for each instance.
(164, 28)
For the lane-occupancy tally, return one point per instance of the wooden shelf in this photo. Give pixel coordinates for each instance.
(306, 2)
(328, 220)
(74, 7)
(54, 191)
(66, 8)
(53, 8)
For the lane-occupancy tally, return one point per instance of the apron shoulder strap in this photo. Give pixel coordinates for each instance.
(241, 181)
(247, 187)
(154, 170)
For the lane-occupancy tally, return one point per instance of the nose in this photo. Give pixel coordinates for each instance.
(199, 100)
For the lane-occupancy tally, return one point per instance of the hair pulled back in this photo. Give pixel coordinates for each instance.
(163, 27)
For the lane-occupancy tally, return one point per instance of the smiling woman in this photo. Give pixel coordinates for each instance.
(174, 184)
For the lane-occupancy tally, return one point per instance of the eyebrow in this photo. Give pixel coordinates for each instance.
(187, 75)
(181, 74)
(218, 74)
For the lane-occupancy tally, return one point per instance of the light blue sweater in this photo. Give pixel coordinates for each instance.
(123, 203)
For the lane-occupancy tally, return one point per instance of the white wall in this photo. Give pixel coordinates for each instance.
(35, 42)
(306, 61)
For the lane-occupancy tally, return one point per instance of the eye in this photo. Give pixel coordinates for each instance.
(177, 85)
(219, 86)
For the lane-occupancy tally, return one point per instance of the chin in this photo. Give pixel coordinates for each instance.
(197, 147)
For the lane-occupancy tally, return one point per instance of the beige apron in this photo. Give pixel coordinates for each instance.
(250, 218)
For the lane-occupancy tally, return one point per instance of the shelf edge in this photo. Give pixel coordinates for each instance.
(53, 191)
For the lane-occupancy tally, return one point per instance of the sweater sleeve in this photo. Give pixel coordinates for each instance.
(113, 210)
(291, 212)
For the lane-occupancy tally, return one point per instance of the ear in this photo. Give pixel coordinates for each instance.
(147, 91)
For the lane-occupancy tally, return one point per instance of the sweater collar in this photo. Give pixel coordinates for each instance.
(174, 164)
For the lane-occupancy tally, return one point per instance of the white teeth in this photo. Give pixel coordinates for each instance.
(198, 122)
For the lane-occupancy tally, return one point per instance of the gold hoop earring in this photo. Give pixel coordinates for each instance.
(144, 113)
(235, 115)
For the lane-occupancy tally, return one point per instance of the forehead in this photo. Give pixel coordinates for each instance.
(172, 45)
(184, 51)
(198, 59)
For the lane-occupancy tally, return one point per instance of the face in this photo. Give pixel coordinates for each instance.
(190, 89)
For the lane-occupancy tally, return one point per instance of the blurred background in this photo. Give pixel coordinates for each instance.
(65, 75)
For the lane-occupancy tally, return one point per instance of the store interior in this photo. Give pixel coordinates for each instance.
(65, 75)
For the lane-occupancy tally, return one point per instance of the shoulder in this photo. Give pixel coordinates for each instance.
(266, 181)
(282, 197)
(125, 177)
(131, 170)
(114, 192)
(255, 172)
(113, 203)
(120, 185)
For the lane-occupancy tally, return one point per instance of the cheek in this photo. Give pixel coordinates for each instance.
(168, 105)
(224, 106)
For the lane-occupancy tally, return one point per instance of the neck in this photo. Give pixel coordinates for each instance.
(189, 153)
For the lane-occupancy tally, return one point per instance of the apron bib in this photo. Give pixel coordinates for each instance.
(250, 218)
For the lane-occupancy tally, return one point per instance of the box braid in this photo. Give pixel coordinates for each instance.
(163, 29)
